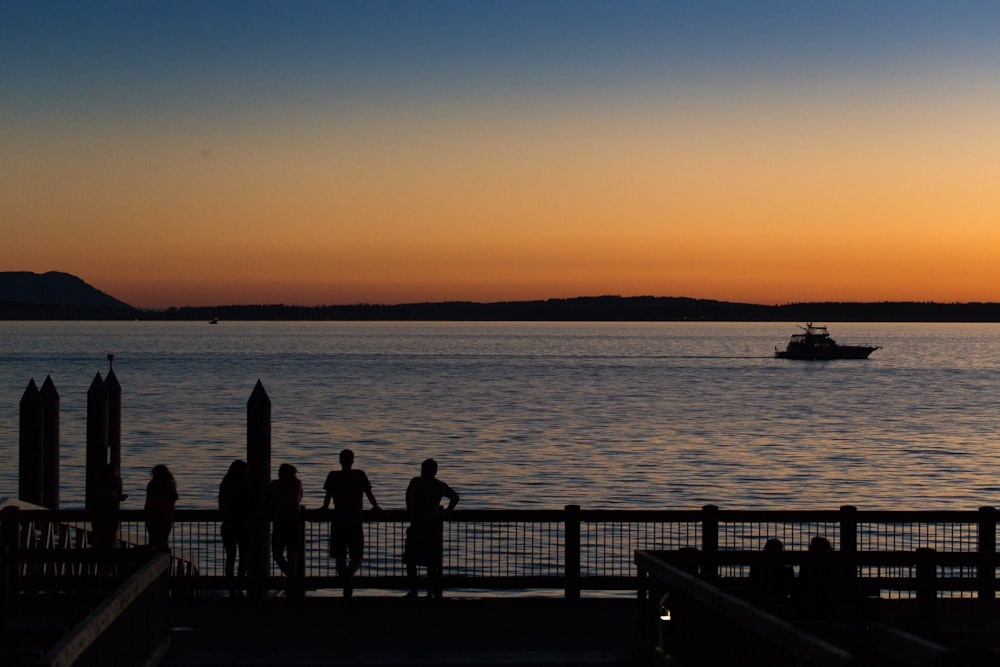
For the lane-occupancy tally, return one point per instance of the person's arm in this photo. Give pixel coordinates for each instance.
(411, 496)
(328, 487)
(451, 496)
(371, 499)
(366, 486)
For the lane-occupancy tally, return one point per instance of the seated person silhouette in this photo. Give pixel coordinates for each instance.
(771, 578)
(818, 584)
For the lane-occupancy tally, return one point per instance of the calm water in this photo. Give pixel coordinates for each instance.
(671, 415)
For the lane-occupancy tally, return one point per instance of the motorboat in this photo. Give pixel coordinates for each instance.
(815, 343)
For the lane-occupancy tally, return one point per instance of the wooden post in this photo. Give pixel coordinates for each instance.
(97, 436)
(572, 566)
(258, 477)
(50, 460)
(297, 586)
(114, 419)
(927, 589)
(259, 437)
(986, 584)
(9, 527)
(849, 550)
(31, 464)
(709, 541)
(848, 528)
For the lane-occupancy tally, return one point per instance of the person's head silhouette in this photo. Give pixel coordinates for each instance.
(346, 459)
(237, 469)
(773, 545)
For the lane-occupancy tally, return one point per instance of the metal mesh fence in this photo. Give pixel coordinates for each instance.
(529, 545)
(607, 548)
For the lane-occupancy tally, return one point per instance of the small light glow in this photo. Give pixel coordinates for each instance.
(664, 611)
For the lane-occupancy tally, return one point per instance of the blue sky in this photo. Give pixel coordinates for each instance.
(402, 137)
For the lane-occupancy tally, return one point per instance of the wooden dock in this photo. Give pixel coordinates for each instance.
(920, 584)
(395, 631)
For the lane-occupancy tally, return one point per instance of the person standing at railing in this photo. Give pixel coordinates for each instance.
(425, 536)
(285, 502)
(236, 506)
(161, 498)
(347, 489)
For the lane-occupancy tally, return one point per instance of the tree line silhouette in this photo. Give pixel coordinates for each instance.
(578, 309)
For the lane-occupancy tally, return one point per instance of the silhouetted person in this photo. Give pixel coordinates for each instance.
(105, 503)
(424, 537)
(285, 502)
(346, 488)
(771, 579)
(236, 506)
(818, 580)
(161, 497)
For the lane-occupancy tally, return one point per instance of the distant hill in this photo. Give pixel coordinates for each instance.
(56, 295)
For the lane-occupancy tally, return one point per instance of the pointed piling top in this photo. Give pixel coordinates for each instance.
(31, 394)
(259, 395)
(111, 382)
(97, 386)
(49, 389)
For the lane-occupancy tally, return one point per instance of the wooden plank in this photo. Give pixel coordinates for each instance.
(904, 648)
(88, 630)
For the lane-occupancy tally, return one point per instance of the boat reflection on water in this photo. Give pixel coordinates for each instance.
(815, 343)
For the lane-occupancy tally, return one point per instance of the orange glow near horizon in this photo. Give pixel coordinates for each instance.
(765, 192)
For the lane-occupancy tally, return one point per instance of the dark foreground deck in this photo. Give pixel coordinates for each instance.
(394, 631)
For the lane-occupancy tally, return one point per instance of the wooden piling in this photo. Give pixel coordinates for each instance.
(259, 476)
(97, 435)
(31, 446)
(114, 420)
(50, 458)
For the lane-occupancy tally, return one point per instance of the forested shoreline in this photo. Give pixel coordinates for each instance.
(579, 309)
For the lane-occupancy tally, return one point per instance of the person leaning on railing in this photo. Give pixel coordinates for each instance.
(285, 502)
(347, 488)
(425, 535)
(236, 506)
(161, 497)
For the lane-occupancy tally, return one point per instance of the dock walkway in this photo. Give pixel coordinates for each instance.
(394, 631)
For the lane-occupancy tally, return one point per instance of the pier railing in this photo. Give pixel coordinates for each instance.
(573, 550)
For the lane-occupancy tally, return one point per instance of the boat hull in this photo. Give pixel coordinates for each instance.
(814, 353)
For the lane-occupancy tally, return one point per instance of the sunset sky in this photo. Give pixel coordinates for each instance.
(212, 152)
